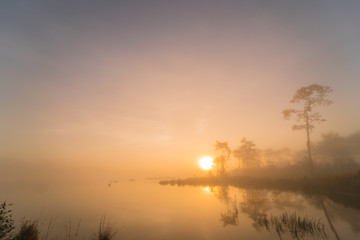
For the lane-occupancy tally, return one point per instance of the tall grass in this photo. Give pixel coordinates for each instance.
(28, 231)
(106, 230)
(298, 227)
(69, 234)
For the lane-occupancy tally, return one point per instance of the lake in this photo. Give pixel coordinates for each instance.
(143, 209)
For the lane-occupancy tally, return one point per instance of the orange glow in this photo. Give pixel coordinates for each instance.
(206, 162)
(207, 189)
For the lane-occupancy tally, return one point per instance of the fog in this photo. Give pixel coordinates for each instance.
(100, 101)
(333, 154)
(146, 87)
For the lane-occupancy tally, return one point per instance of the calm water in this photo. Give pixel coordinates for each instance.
(143, 209)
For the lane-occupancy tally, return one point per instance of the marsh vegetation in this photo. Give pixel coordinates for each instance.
(30, 230)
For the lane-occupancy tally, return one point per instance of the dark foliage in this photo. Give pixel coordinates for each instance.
(6, 221)
(28, 231)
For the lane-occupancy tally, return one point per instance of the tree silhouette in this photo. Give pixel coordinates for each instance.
(221, 160)
(247, 154)
(310, 96)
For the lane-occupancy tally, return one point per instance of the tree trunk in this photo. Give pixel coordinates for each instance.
(309, 146)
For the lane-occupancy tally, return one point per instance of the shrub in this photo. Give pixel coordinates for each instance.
(6, 221)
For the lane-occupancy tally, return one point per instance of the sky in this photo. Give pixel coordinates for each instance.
(150, 86)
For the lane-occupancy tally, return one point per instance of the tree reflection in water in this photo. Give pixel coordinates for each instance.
(298, 227)
(256, 205)
(221, 193)
(327, 215)
(230, 216)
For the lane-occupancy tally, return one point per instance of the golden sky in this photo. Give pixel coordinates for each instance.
(151, 85)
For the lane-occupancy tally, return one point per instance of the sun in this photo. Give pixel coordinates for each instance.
(206, 162)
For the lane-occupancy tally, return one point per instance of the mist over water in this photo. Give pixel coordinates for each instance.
(143, 209)
(276, 200)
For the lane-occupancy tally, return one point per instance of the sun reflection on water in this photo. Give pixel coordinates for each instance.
(207, 189)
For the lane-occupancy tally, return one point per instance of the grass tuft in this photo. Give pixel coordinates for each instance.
(28, 231)
(106, 230)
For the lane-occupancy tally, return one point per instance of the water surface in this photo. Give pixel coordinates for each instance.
(143, 209)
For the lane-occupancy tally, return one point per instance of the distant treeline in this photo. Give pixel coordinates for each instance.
(332, 155)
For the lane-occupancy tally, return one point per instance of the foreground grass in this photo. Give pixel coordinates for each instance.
(106, 230)
(29, 230)
(298, 227)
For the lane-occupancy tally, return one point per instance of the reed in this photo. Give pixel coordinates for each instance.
(106, 230)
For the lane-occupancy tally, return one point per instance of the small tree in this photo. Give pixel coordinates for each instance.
(310, 96)
(224, 157)
(247, 154)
